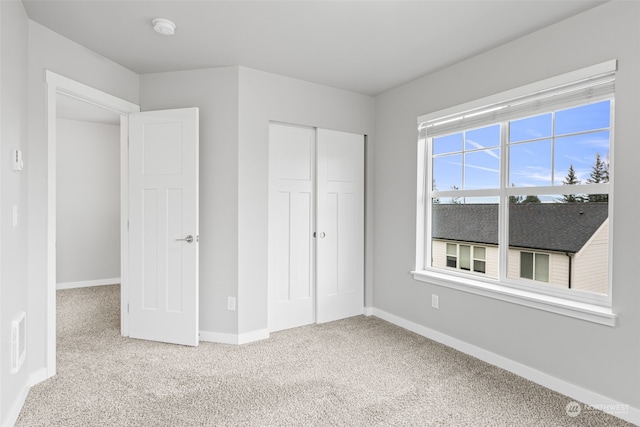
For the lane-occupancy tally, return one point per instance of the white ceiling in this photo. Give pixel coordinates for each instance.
(362, 46)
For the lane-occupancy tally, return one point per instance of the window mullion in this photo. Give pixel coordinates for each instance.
(503, 211)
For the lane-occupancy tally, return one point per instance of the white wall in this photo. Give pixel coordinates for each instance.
(268, 97)
(13, 192)
(88, 202)
(50, 51)
(593, 357)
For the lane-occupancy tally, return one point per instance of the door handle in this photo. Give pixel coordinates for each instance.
(188, 239)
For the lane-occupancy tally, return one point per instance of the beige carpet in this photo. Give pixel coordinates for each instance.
(356, 372)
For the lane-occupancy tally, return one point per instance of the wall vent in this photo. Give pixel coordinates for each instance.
(18, 342)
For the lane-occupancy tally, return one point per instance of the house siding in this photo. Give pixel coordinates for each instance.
(591, 264)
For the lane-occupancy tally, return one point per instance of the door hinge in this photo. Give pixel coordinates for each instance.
(127, 308)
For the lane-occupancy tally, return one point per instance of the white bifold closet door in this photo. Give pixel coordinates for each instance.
(316, 225)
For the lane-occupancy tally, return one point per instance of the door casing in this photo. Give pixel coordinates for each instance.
(58, 84)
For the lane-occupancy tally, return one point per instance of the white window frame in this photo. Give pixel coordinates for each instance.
(569, 302)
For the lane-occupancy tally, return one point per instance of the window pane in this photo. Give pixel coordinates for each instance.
(530, 128)
(482, 169)
(479, 252)
(526, 265)
(465, 257)
(541, 268)
(447, 144)
(584, 118)
(452, 262)
(447, 172)
(482, 138)
(479, 266)
(582, 153)
(452, 249)
(469, 222)
(569, 234)
(530, 164)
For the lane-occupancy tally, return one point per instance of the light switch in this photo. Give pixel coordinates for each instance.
(18, 163)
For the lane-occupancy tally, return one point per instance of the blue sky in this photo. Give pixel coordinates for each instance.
(533, 151)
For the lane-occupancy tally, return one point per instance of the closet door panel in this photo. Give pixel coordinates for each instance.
(340, 225)
(291, 220)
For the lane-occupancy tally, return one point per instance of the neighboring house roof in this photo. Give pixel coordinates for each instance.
(564, 227)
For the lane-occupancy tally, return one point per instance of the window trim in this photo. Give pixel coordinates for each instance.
(597, 308)
(576, 309)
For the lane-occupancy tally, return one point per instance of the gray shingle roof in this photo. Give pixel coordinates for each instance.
(563, 227)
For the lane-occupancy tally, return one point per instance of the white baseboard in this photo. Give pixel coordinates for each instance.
(595, 400)
(235, 339)
(38, 376)
(368, 311)
(14, 411)
(87, 283)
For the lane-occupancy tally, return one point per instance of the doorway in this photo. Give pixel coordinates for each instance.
(87, 194)
(100, 103)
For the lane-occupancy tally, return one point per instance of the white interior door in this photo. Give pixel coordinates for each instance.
(340, 225)
(163, 226)
(291, 207)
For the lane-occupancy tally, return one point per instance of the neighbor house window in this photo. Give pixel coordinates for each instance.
(528, 177)
(534, 266)
(466, 257)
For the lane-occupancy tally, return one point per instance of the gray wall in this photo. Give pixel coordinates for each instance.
(595, 357)
(87, 201)
(13, 192)
(268, 97)
(215, 93)
(236, 104)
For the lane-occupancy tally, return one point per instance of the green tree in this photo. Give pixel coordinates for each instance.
(515, 199)
(599, 174)
(571, 179)
(531, 199)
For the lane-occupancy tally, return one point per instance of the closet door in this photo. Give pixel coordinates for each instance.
(291, 218)
(340, 225)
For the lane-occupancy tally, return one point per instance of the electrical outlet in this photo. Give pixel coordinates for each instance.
(434, 301)
(231, 303)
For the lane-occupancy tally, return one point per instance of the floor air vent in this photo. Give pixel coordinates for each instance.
(18, 342)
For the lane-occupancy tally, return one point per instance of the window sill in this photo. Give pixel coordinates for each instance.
(579, 310)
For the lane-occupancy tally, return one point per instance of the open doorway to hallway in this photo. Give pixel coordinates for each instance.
(87, 194)
(88, 247)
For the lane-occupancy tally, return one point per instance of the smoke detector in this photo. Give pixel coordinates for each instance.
(164, 26)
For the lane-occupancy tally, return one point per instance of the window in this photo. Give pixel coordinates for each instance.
(521, 185)
(534, 266)
(465, 257)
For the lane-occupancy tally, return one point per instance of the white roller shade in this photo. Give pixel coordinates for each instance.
(590, 84)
